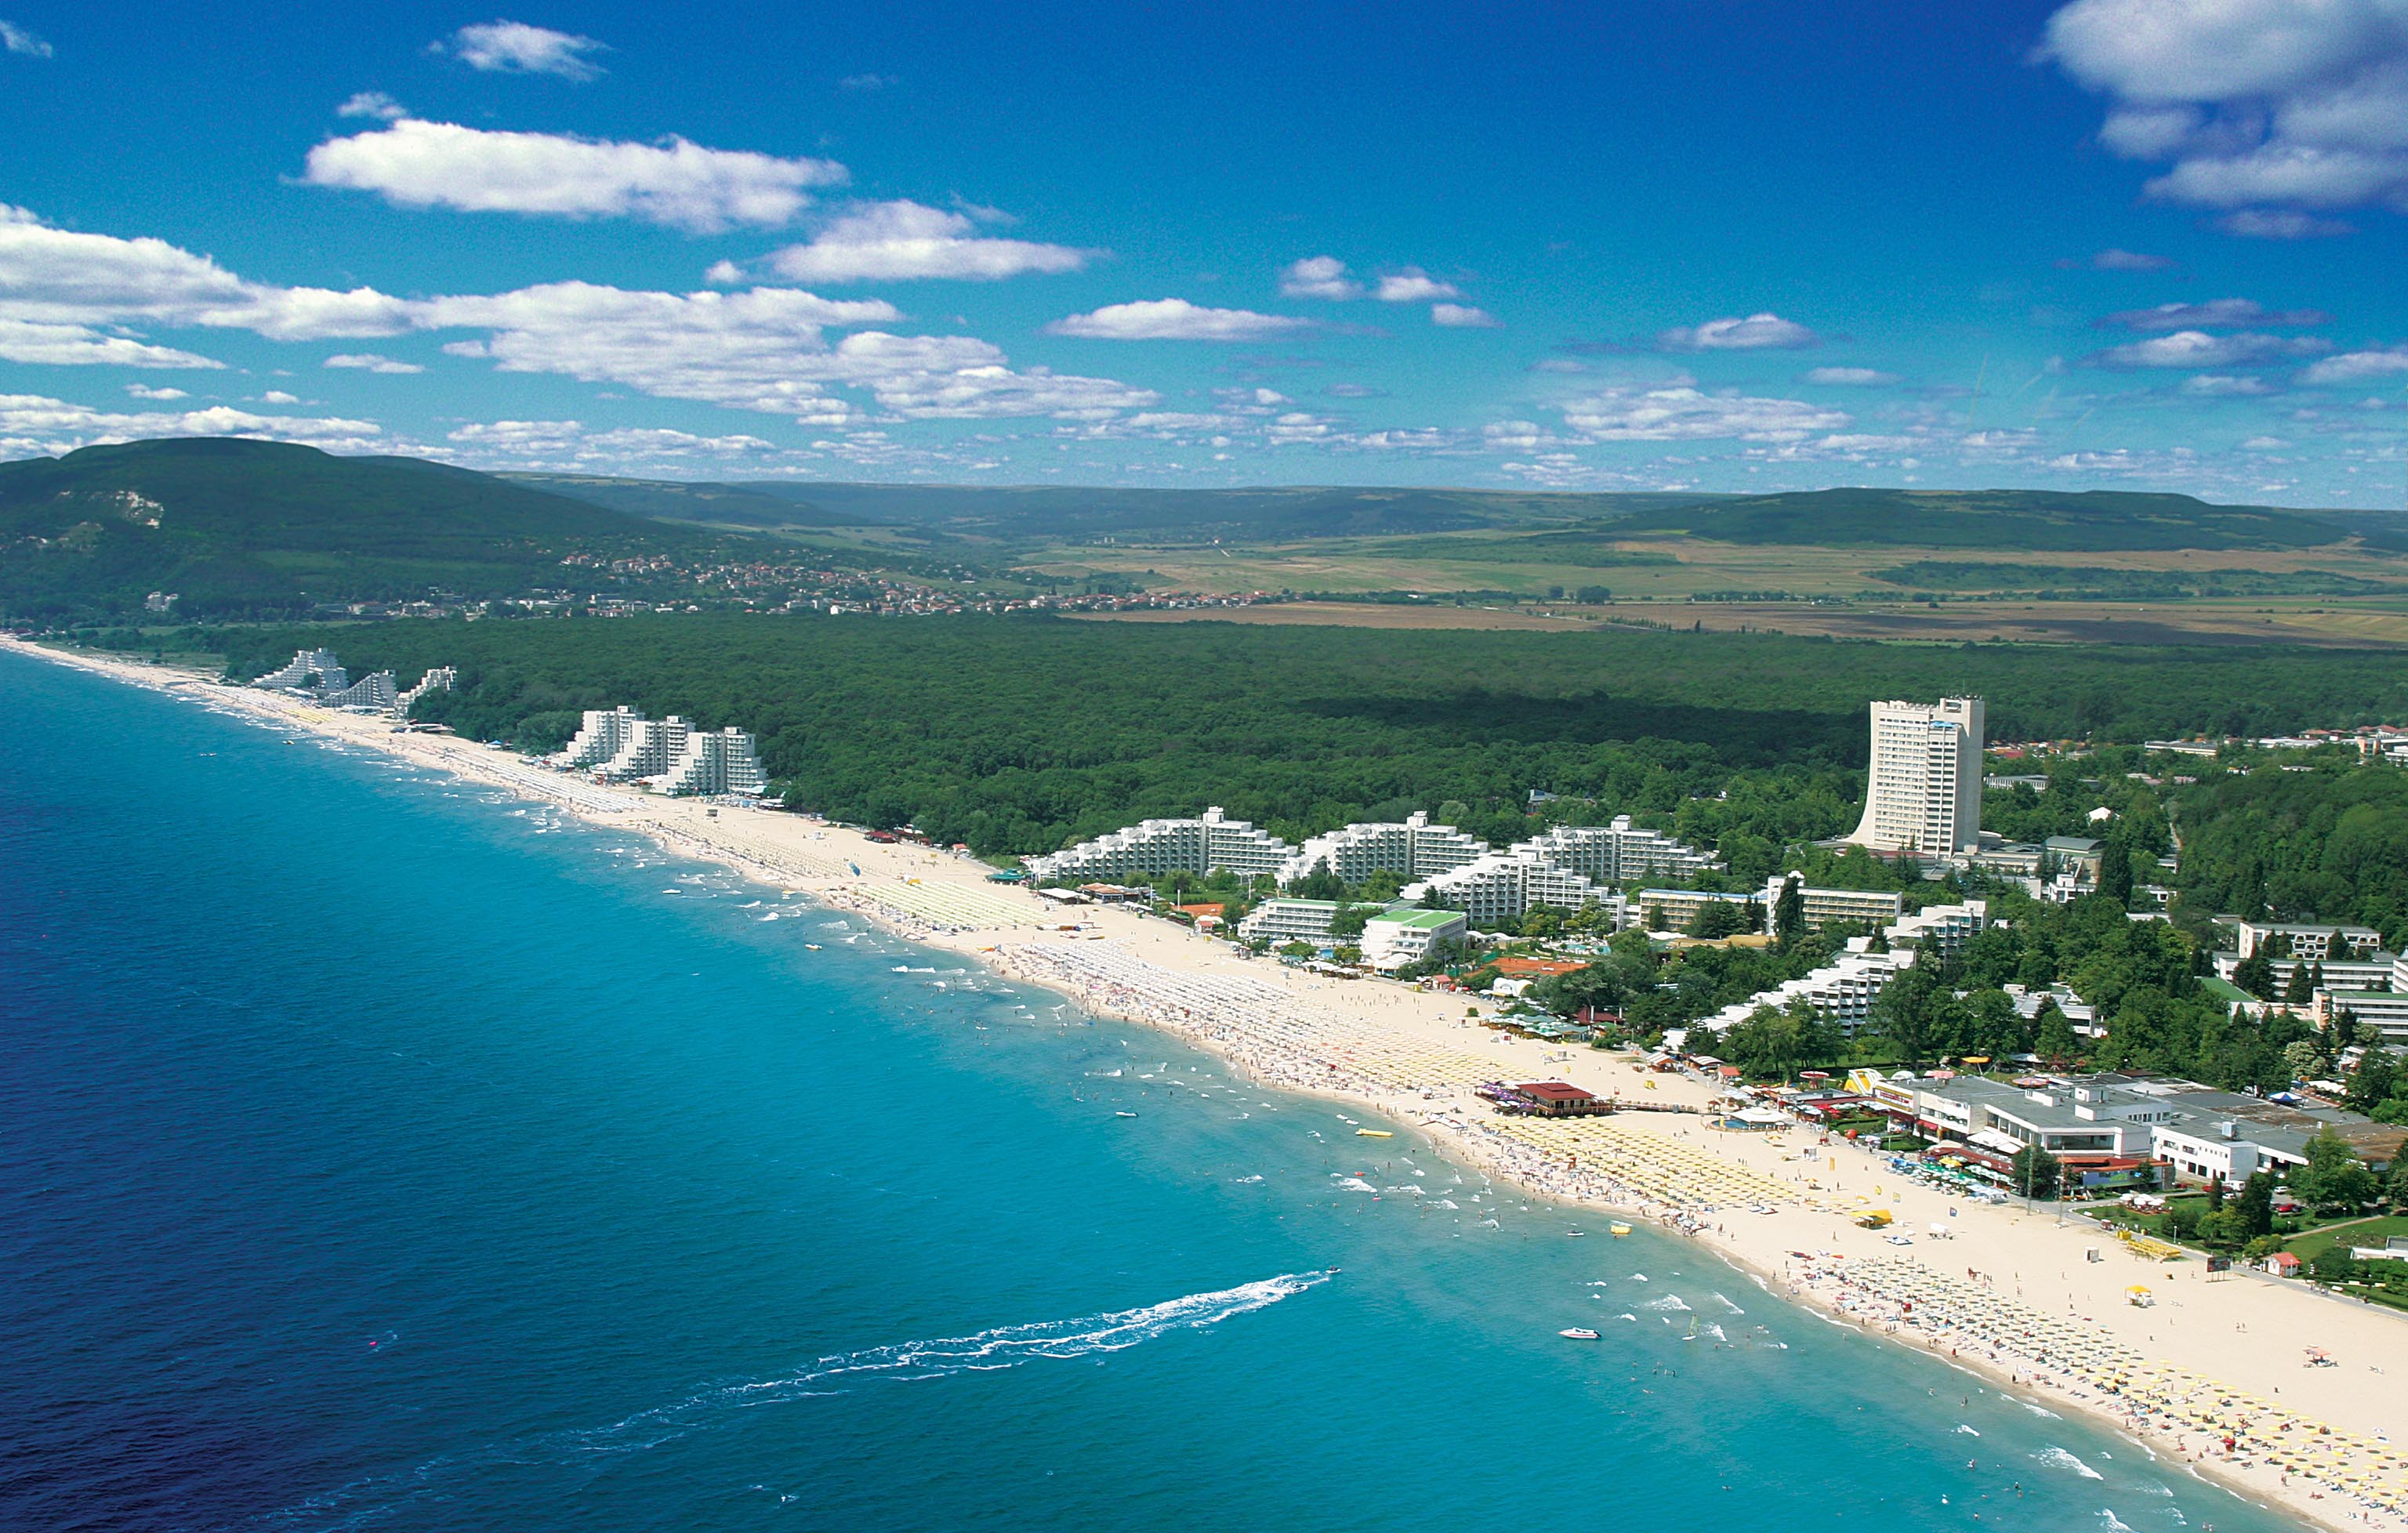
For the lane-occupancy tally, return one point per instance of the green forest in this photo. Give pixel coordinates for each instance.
(1022, 733)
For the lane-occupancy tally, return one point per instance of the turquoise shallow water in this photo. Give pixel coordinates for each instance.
(379, 1151)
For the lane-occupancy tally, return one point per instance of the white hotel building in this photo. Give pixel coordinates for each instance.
(1922, 793)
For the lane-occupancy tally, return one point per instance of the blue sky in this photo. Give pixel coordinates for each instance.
(2151, 244)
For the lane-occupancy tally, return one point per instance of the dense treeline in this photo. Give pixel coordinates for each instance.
(1022, 733)
(2329, 841)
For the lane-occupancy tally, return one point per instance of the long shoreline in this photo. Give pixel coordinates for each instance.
(1775, 1207)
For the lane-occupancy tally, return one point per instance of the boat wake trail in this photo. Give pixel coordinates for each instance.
(368, 1502)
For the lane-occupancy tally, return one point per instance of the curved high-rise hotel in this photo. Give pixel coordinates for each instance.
(1923, 791)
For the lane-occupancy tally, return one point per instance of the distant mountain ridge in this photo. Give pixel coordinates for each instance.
(1020, 514)
(2092, 520)
(237, 527)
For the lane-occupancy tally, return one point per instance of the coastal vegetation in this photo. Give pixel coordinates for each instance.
(1023, 735)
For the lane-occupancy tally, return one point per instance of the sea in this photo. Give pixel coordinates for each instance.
(382, 1151)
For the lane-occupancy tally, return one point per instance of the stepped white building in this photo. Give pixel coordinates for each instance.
(1611, 853)
(441, 679)
(651, 747)
(1923, 794)
(1169, 846)
(1412, 847)
(714, 760)
(296, 673)
(601, 736)
(1845, 989)
(1502, 885)
(379, 692)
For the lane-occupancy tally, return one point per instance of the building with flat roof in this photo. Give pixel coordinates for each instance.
(714, 760)
(1281, 921)
(1412, 848)
(1397, 937)
(1615, 852)
(601, 736)
(1923, 792)
(1828, 907)
(2314, 943)
(1213, 840)
(1677, 909)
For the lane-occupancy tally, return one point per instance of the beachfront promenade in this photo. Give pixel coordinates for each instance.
(2211, 1358)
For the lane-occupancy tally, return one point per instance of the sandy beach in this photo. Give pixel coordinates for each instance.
(2032, 1301)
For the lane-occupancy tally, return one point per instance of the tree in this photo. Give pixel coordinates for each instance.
(2302, 1060)
(1901, 1014)
(1789, 914)
(2372, 1081)
(2395, 1186)
(2035, 1171)
(2055, 1040)
(1718, 918)
(2255, 1205)
(2115, 867)
(2333, 1177)
(2301, 989)
(2255, 975)
(1320, 883)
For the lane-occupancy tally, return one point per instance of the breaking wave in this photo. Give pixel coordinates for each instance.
(369, 1501)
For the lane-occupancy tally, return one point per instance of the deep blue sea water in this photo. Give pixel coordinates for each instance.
(380, 1151)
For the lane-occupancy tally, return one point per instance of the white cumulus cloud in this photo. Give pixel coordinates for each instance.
(2262, 105)
(59, 277)
(144, 391)
(368, 362)
(1414, 285)
(1683, 413)
(1851, 378)
(36, 423)
(1463, 317)
(1173, 319)
(56, 345)
(2216, 311)
(763, 349)
(2226, 386)
(1757, 332)
(18, 40)
(1318, 277)
(514, 48)
(901, 241)
(2358, 366)
(2282, 223)
(2198, 348)
(678, 183)
(375, 104)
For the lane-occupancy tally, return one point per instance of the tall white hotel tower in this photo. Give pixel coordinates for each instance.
(1924, 793)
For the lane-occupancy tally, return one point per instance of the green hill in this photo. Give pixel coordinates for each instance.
(1074, 514)
(2095, 521)
(241, 528)
(702, 503)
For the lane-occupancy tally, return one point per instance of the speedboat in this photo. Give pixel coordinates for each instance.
(1123, 1112)
(1577, 1333)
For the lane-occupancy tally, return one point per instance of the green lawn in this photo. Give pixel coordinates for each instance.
(2353, 1232)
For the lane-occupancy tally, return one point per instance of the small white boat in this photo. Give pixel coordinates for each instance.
(1577, 1333)
(1123, 1112)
